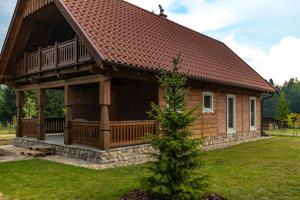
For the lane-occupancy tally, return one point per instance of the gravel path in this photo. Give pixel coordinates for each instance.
(14, 154)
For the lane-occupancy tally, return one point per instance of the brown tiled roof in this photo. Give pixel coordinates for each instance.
(126, 34)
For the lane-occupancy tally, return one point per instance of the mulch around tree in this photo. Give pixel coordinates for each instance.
(141, 195)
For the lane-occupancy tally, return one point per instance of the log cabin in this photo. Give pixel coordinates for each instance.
(105, 55)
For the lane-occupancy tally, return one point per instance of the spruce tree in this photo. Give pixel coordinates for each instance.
(178, 157)
(282, 109)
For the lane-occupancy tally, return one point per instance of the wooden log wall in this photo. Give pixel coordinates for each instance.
(34, 5)
(131, 100)
(215, 124)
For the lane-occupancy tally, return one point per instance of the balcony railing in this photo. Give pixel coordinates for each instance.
(64, 54)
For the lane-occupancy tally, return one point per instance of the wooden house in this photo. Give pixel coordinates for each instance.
(105, 55)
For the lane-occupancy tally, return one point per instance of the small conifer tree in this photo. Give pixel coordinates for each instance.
(178, 157)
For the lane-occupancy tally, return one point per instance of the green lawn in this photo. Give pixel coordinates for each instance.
(266, 169)
(286, 132)
(7, 131)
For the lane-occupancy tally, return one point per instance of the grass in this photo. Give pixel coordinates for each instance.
(5, 131)
(266, 169)
(284, 132)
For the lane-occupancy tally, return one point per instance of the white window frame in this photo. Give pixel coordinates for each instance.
(208, 110)
(252, 128)
(231, 131)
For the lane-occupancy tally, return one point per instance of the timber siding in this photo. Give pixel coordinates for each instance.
(215, 124)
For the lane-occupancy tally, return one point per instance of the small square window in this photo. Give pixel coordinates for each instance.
(207, 102)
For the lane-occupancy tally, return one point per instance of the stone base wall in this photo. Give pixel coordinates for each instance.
(130, 154)
(218, 142)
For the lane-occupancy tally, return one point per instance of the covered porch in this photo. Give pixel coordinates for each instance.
(100, 112)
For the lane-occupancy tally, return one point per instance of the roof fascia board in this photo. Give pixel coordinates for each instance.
(6, 48)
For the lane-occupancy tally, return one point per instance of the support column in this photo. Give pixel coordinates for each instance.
(19, 105)
(41, 117)
(68, 115)
(104, 98)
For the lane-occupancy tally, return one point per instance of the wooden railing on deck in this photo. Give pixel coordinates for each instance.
(29, 127)
(55, 125)
(123, 133)
(130, 132)
(85, 132)
(63, 54)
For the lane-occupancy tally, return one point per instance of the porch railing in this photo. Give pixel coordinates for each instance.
(55, 125)
(130, 132)
(85, 132)
(52, 125)
(29, 127)
(63, 54)
(123, 133)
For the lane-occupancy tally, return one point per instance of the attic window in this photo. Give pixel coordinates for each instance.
(207, 103)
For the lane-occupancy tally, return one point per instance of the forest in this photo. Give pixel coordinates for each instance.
(286, 101)
(54, 104)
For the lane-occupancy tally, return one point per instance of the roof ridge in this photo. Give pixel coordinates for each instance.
(170, 21)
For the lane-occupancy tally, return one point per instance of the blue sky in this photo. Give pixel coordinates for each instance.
(265, 33)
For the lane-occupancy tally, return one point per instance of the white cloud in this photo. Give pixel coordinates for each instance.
(207, 15)
(280, 63)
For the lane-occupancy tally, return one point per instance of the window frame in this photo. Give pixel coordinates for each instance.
(231, 131)
(211, 109)
(252, 128)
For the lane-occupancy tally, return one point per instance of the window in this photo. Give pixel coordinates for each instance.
(207, 102)
(230, 114)
(252, 108)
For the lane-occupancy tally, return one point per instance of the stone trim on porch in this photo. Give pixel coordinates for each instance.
(129, 154)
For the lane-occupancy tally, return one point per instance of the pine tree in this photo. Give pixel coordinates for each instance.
(178, 157)
(282, 109)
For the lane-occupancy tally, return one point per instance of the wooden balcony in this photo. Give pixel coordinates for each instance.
(69, 53)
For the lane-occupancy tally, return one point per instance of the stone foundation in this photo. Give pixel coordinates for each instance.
(219, 142)
(134, 154)
(130, 154)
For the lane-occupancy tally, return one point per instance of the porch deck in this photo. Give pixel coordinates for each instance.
(57, 139)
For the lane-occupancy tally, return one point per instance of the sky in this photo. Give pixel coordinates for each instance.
(265, 33)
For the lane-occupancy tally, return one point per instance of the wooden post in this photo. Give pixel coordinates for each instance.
(19, 105)
(104, 94)
(41, 117)
(56, 54)
(76, 49)
(40, 59)
(68, 115)
(25, 63)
